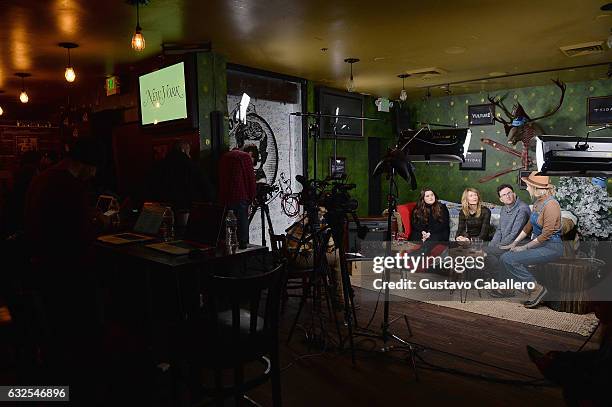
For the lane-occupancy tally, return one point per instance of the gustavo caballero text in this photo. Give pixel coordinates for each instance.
(479, 284)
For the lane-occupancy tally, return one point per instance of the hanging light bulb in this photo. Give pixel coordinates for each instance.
(23, 96)
(138, 41)
(69, 74)
(1, 111)
(350, 84)
(403, 94)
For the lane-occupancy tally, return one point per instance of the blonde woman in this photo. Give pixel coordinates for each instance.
(544, 227)
(474, 218)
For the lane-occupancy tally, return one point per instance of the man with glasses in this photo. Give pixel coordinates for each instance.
(514, 215)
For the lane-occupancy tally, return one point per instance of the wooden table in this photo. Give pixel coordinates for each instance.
(183, 272)
(464, 251)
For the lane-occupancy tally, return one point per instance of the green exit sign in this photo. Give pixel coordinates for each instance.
(112, 85)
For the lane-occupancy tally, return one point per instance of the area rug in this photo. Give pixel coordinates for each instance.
(509, 309)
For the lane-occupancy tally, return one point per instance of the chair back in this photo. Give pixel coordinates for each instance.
(243, 311)
(278, 244)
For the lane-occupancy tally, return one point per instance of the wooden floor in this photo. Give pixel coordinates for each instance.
(330, 379)
(377, 379)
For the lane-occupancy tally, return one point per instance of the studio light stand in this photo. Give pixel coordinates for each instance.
(394, 162)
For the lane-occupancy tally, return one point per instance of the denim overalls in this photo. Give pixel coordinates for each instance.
(537, 229)
(515, 262)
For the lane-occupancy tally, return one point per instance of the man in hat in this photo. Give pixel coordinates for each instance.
(544, 227)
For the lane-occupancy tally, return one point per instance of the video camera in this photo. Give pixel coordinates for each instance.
(264, 191)
(334, 196)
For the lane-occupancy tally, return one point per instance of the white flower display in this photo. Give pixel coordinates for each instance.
(590, 203)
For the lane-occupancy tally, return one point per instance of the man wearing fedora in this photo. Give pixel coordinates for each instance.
(544, 227)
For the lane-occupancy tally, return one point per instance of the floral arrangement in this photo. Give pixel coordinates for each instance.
(590, 203)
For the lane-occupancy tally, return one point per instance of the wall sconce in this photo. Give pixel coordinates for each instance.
(69, 74)
(23, 96)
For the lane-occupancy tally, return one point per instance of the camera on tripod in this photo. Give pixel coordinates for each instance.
(264, 191)
(338, 199)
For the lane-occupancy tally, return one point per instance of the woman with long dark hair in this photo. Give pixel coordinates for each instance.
(430, 221)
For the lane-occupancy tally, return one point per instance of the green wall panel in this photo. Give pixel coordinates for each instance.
(447, 179)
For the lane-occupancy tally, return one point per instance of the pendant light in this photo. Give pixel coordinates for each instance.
(403, 94)
(69, 74)
(350, 84)
(1, 111)
(138, 41)
(23, 96)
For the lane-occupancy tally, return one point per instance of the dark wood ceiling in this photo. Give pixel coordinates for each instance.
(468, 39)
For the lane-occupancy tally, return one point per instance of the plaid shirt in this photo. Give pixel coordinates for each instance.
(236, 178)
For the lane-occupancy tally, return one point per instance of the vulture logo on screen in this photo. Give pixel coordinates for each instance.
(162, 95)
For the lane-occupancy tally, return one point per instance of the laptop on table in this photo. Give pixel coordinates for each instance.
(146, 227)
(202, 232)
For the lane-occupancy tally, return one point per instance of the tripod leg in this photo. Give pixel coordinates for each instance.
(263, 226)
(408, 325)
(252, 215)
(328, 294)
(270, 227)
(348, 304)
(297, 316)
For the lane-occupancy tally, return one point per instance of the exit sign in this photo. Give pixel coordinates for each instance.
(112, 85)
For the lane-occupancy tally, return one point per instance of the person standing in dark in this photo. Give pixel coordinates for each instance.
(430, 221)
(237, 188)
(179, 181)
(59, 229)
(12, 216)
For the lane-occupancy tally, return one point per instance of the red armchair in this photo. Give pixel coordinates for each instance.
(405, 211)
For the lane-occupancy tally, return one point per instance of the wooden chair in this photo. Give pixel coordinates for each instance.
(239, 326)
(296, 277)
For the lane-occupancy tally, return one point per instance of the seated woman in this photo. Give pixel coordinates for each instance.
(474, 219)
(544, 226)
(430, 221)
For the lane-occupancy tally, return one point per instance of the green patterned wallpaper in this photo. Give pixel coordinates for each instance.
(447, 179)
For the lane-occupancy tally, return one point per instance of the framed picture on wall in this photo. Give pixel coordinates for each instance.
(334, 102)
(520, 181)
(475, 160)
(337, 167)
(599, 110)
(481, 115)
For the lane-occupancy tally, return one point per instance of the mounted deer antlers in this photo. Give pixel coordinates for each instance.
(520, 127)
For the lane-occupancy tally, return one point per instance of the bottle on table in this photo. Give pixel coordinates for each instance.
(167, 227)
(231, 232)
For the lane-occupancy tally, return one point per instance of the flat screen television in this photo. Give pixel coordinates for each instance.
(337, 102)
(167, 97)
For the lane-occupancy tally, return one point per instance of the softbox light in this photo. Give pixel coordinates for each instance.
(559, 155)
(396, 160)
(437, 145)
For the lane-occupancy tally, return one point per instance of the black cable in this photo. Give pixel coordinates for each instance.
(589, 338)
(375, 309)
